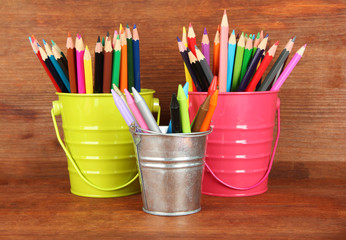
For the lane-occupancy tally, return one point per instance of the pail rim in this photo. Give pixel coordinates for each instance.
(137, 130)
(142, 92)
(238, 93)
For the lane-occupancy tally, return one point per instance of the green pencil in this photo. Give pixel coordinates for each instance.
(116, 62)
(247, 57)
(130, 70)
(255, 44)
(184, 112)
(238, 62)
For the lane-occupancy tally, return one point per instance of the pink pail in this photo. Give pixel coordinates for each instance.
(239, 150)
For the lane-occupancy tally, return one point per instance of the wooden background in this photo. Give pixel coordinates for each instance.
(313, 107)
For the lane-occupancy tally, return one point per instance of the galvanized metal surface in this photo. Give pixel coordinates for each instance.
(171, 167)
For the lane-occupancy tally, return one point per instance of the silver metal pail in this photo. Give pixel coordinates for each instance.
(170, 167)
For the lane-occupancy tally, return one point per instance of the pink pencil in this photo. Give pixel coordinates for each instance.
(134, 109)
(223, 53)
(80, 64)
(288, 69)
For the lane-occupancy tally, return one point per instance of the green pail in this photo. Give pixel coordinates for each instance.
(98, 144)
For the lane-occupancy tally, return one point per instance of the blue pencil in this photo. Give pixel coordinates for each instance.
(230, 62)
(136, 58)
(186, 91)
(56, 66)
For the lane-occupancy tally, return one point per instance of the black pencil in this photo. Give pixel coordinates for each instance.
(175, 115)
(98, 86)
(196, 66)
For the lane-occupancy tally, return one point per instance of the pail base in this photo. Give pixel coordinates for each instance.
(238, 194)
(171, 214)
(103, 195)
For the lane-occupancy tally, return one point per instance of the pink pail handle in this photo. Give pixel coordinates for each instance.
(270, 163)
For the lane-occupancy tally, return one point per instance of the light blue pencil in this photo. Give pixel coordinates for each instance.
(230, 62)
(186, 91)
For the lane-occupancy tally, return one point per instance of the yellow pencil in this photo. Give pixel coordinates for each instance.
(187, 74)
(88, 72)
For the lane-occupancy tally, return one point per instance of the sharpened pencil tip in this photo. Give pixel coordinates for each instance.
(127, 26)
(30, 39)
(267, 35)
(224, 12)
(304, 45)
(107, 34)
(98, 39)
(218, 28)
(44, 42)
(233, 32)
(294, 39)
(196, 47)
(253, 37)
(68, 34)
(53, 43)
(134, 26)
(190, 25)
(258, 35)
(178, 39)
(205, 31)
(277, 43)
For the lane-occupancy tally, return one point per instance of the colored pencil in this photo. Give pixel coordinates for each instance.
(64, 60)
(246, 58)
(136, 59)
(123, 61)
(256, 43)
(38, 55)
(192, 87)
(175, 115)
(135, 111)
(98, 86)
(212, 105)
(282, 66)
(130, 71)
(183, 109)
(56, 65)
(184, 55)
(216, 55)
(223, 53)
(260, 81)
(191, 39)
(116, 61)
(59, 58)
(204, 65)
(80, 64)
(107, 65)
(265, 85)
(205, 46)
(264, 64)
(238, 63)
(213, 86)
(200, 115)
(51, 69)
(123, 109)
(196, 66)
(71, 60)
(287, 71)
(230, 60)
(88, 73)
(252, 66)
(144, 110)
(114, 38)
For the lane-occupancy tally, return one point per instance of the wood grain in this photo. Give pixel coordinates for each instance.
(307, 194)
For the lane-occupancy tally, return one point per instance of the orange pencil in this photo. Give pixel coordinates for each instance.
(212, 106)
(123, 62)
(216, 52)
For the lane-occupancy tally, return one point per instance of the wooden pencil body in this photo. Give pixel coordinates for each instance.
(107, 71)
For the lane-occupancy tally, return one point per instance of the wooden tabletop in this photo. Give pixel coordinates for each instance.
(43, 208)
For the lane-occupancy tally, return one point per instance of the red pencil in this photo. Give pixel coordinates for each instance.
(38, 54)
(191, 40)
(264, 64)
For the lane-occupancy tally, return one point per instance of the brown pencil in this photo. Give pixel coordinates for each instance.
(107, 65)
(71, 59)
(201, 113)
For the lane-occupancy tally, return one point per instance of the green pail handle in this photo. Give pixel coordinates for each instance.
(56, 112)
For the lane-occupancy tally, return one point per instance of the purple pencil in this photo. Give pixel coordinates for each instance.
(288, 69)
(124, 111)
(80, 64)
(205, 46)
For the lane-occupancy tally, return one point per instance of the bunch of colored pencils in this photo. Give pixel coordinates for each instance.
(238, 62)
(116, 62)
(135, 111)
